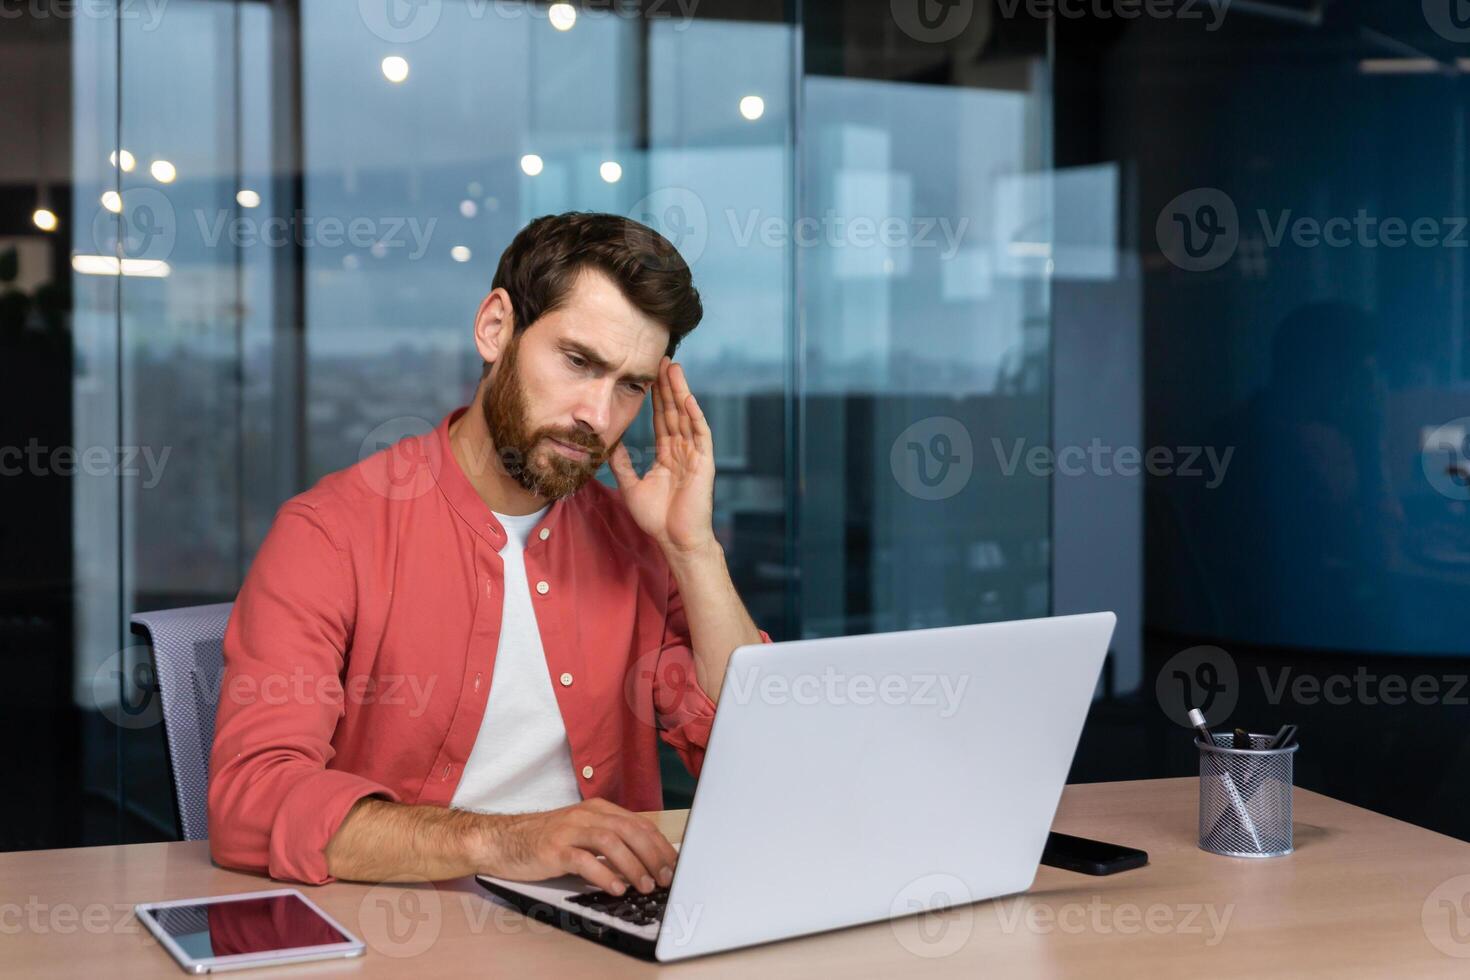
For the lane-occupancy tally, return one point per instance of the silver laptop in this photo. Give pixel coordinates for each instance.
(845, 777)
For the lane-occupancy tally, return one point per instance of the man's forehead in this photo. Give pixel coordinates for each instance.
(596, 315)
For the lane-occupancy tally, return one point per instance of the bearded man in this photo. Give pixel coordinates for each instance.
(457, 655)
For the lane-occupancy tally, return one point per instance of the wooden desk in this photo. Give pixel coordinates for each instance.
(1364, 896)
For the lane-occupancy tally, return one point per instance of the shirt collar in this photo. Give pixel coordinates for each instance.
(461, 494)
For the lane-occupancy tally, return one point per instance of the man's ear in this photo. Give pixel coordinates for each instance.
(494, 325)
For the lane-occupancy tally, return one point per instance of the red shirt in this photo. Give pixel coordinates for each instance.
(359, 653)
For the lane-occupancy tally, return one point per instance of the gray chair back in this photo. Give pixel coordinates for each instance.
(188, 661)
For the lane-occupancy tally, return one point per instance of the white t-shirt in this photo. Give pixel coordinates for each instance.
(521, 762)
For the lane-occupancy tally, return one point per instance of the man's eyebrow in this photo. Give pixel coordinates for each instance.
(596, 360)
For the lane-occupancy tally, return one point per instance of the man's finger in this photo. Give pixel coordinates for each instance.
(599, 875)
(606, 840)
(622, 468)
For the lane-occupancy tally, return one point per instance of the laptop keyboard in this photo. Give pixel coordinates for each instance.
(632, 907)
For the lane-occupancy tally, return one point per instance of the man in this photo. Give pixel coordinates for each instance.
(456, 656)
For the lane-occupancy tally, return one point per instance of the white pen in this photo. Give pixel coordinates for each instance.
(1197, 719)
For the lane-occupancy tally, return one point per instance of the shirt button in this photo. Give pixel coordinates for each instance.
(566, 680)
(586, 772)
(446, 772)
(542, 587)
(477, 682)
(545, 533)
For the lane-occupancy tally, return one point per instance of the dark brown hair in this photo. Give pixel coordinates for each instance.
(545, 258)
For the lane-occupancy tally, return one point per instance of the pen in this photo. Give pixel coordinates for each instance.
(1197, 719)
(1242, 739)
(1283, 738)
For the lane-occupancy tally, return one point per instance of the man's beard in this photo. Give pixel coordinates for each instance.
(537, 467)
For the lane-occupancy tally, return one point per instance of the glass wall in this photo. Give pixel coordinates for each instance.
(278, 219)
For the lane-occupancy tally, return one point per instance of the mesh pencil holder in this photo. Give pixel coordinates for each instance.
(1245, 798)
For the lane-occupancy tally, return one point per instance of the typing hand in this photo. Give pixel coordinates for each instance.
(534, 846)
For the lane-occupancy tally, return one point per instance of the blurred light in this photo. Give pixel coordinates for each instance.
(752, 107)
(562, 16)
(1029, 250)
(468, 208)
(128, 163)
(531, 164)
(247, 198)
(109, 265)
(1399, 66)
(395, 69)
(378, 250)
(475, 188)
(350, 262)
(611, 171)
(460, 253)
(112, 201)
(163, 171)
(44, 218)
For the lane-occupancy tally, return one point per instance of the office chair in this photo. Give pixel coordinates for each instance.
(188, 661)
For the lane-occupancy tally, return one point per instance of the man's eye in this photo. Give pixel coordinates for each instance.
(576, 362)
(636, 388)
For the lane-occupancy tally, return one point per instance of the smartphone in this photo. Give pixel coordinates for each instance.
(235, 932)
(1090, 857)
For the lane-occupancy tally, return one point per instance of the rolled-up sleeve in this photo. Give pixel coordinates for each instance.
(685, 712)
(273, 803)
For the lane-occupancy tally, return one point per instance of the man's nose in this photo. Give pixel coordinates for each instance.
(594, 408)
